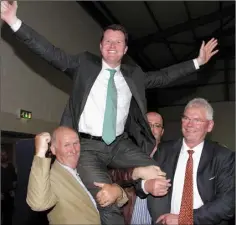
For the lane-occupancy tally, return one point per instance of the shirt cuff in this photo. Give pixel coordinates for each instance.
(196, 64)
(16, 26)
(142, 186)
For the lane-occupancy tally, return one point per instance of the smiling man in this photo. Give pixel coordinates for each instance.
(107, 106)
(60, 188)
(202, 174)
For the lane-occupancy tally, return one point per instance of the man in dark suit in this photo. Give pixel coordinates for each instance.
(107, 105)
(213, 174)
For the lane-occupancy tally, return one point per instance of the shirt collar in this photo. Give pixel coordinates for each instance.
(197, 149)
(106, 66)
(68, 168)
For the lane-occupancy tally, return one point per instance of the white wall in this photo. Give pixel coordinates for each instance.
(25, 79)
(224, 117)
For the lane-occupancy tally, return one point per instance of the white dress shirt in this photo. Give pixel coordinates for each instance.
(91, 120)
(77, 177)
(179, 177)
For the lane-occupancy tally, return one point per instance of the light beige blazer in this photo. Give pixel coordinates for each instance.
(57, 187)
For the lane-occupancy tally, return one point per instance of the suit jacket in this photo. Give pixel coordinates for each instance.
(84, 69)
(58, 188)
(215, 182)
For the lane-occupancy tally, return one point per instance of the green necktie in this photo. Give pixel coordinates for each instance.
(109, 123)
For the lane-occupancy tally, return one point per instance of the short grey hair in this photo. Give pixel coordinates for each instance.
(203, 103)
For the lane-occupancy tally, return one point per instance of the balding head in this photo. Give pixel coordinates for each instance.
(156, 123)
(59, 132)
(155, 116)
(65, 146)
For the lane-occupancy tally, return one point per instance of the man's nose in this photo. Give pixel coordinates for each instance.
(112, 44)
(73, 150)
(190, 123)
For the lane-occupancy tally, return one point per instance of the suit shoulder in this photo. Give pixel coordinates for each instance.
(54, 173)
(87, 55)
(133, 68)
(222, 150)
(167, 147)
(167, 144)
(91, 56)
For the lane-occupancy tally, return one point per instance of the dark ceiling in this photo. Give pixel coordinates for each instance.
(163, 33)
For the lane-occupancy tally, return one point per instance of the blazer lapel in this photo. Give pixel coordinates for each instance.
(205, 160)
(72, 180)
(126, 73)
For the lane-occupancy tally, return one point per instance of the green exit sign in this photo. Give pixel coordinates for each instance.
(25, 114)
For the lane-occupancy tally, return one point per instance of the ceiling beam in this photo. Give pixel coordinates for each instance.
(189, 18)
(160, 29)
(227, 82)
(227, 52)
(190, 24)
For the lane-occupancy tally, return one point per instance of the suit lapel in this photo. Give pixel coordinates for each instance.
(127, 75)
(206, 157)
(174, 155)
(92, 72)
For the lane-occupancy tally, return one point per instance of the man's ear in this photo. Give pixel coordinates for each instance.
(162, 132)
(126, 49)
(210, 126)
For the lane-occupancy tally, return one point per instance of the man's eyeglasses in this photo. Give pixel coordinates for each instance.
(155, 125)
(194, 120)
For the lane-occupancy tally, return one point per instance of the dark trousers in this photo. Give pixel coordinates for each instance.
(96, 156)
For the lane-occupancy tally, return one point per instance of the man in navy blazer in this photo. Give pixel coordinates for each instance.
(85, 110)
(213, 172)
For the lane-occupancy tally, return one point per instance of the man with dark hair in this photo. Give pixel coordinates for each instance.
(116, 27)
(107, 105)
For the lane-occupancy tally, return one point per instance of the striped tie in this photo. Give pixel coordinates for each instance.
(186, 208)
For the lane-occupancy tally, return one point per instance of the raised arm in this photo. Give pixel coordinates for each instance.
(167, 75)
(37, 43)
(39, 195)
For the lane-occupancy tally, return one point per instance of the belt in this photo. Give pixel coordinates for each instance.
(88, 136)
(91, 137)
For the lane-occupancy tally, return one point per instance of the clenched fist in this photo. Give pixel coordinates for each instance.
(8, 12)
(157, 187)
(42, 141)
